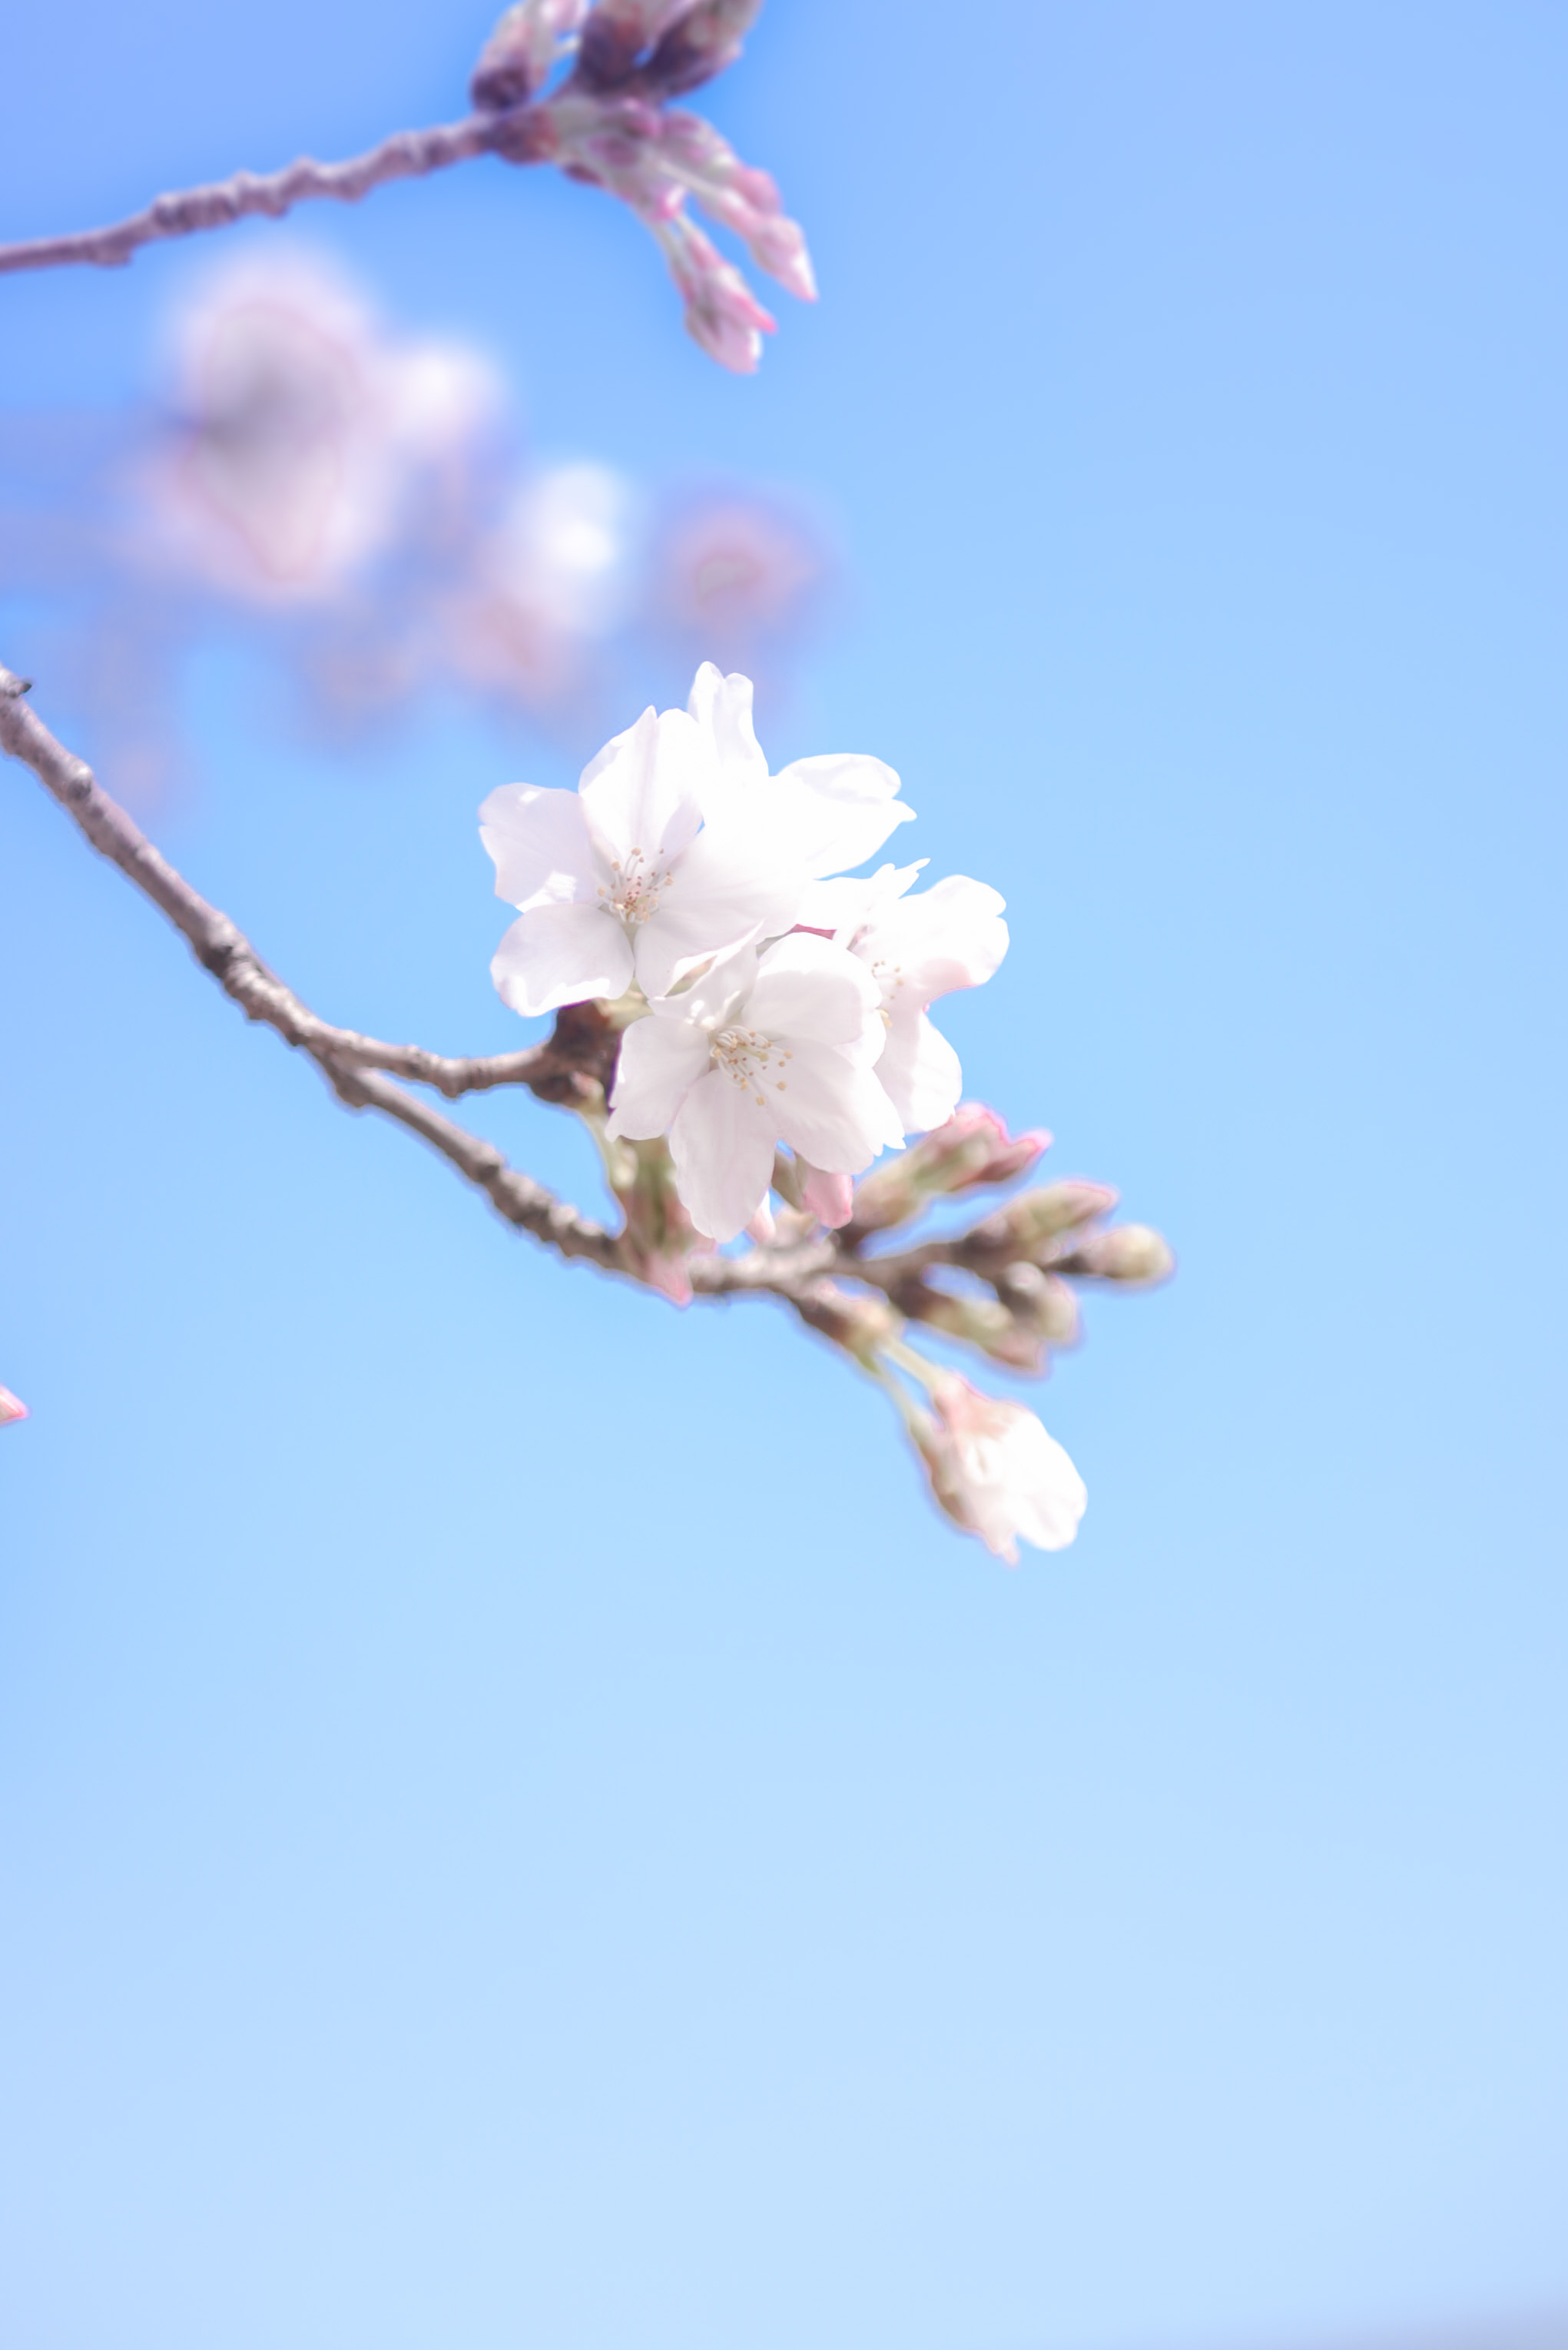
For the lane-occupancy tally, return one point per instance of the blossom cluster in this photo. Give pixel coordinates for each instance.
(608, 121)
(775, 1037)
(778, 1001)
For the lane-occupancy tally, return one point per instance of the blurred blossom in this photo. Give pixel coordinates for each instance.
(357, 499)
(299, 431)
(734, 575)
(11, 1407)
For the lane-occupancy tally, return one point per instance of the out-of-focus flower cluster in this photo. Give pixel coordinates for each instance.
(608, 120)
(11, 1407)
(358, 498)
(775, 1039)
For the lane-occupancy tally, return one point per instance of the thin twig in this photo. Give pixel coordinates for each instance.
(350, 1061)
(409, 154)
(221, 948)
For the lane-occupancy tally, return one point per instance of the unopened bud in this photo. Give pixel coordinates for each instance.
(659, 1235)
(11, 1407)
(1041, 1302)
(617, 34)
(981, 1322)
(1023, 1225)
(973, 1148)
(518, 57)
(861, 1325)
(1133, 1252)
(700, 43)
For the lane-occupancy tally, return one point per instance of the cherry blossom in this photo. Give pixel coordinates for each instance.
(676, 847)
(302, 428)
(761, 1049)
(11, 1407)
(917, 948)
(996, 1471)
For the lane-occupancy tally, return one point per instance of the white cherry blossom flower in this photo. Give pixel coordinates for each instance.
(997, 1472)
(623, 879)
(761, 1049)
(916, 947)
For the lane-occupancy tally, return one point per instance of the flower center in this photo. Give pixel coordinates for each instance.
(633, 888)
(750, 1061)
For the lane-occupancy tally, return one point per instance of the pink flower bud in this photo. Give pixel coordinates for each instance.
(829, 1198)
(721, 312)
(11, 1407)
(521, 53)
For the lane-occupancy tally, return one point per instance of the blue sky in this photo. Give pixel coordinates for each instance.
(520, 1824)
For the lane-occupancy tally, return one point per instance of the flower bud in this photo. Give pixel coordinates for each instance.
(11, 1407)
(700, 43)
(981, 1322)
(829, 1198)
(1041, 1302)
(617, 34)
(1023, 1225)
(659, 1235)
(861, 1325)
(1131, 1253)
(973, 1148)
(518, 57)
(996, 1471)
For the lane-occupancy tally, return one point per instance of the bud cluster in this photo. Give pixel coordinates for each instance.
(609, 122)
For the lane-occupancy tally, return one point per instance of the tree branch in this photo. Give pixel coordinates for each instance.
(573, 1065)
(570, 1066)
(408, 154)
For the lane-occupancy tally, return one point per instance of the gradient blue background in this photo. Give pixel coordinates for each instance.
(520, 1825)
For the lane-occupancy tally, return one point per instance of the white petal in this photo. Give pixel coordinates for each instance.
(836, 810)
(722, 706)
(660, 1061)
(561, 954)
(722, 1146)
(540, 844)
(808, 988)
(1048, 1493)
(730, 887)
(642, 792)
(831, 1111)
(952, 936)
(841, 907)
(919, 1070)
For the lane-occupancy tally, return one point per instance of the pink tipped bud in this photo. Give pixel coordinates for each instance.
(971, 1150)
(11, 1407)
(721, 312)
(829, 1198)
(521, 53)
